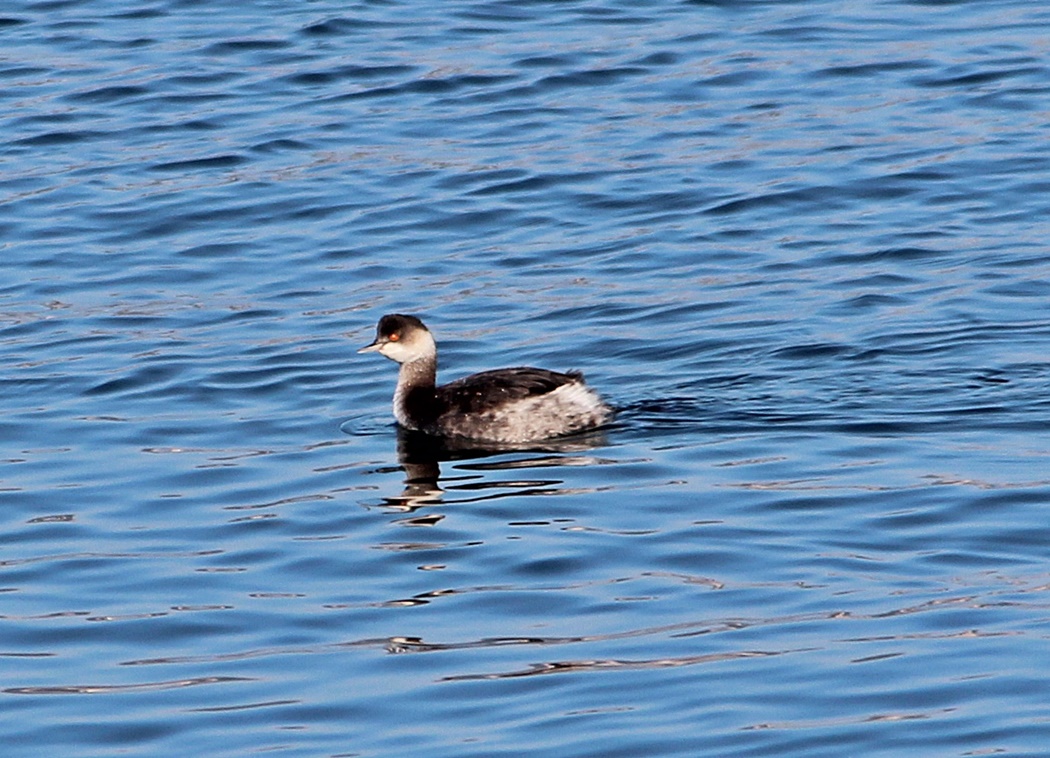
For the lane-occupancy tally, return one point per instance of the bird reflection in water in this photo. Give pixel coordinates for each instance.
(420, 456)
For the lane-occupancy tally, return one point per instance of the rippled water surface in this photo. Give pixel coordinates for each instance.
(801, 246)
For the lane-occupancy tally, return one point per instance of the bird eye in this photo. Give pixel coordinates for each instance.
(394, 337)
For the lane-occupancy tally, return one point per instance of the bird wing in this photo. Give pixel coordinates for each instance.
(489, 389)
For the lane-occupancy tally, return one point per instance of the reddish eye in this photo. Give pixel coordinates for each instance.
(395, 337)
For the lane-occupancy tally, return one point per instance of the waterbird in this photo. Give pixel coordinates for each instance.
(507, 405)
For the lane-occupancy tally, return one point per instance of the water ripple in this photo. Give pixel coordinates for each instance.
(108, 689)
(801, 249)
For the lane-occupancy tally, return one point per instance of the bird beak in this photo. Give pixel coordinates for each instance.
(373, 348)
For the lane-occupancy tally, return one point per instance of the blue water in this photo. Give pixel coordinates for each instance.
(801, 246)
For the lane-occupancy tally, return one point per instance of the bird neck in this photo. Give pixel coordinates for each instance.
(414, 396)
(421, 372)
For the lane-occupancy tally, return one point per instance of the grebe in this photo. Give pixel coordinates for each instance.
(505, 405)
